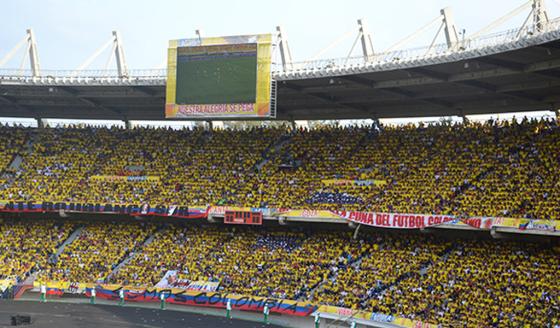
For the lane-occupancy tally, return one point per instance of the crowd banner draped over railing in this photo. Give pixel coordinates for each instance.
(125, 178)
(375, 219)
(356, 182)
(390, 220)
(177, 211)
(181, 297)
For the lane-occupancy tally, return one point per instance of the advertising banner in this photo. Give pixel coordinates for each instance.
(528, 224)
(221, 210)
(312, 214)
(373, 316)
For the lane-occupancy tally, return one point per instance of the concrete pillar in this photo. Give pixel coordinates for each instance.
(127, 124)
(210, 125)
(40, 123)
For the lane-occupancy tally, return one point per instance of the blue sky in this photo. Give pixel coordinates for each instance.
(69, 31)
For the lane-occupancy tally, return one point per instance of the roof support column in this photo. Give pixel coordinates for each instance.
(40, 123)
(119, 55)
(540, 18)
(365, 38)
(210, 125)
(33, 55)
(449, 27)
(285, 54)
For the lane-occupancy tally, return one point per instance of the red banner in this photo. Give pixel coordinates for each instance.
(411, 221)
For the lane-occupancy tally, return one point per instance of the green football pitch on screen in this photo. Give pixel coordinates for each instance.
(216, 78)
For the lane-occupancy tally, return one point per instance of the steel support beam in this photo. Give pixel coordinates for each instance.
(540, 17)
(365, 38)
(285, 54)
(31, 51)
(451, 36)
(33, 54)
(119, 55)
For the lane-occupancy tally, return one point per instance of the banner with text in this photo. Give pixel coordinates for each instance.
(125, 209)
(124, 178)
(207, 299)
(411, 221)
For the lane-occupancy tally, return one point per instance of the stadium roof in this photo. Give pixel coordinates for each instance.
(517, 70)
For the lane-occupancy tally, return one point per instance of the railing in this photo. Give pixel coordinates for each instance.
(84, 77)
(486, 45)
(86, 73)
(489, 44)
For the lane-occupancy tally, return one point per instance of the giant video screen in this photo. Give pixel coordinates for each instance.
(219, 77)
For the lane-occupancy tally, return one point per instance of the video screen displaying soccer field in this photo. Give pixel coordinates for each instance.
(217, 74)
(219, 77)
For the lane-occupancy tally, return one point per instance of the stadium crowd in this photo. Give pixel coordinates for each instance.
(98, 248)
(472, 169)
(502, 169)
(482, 283)
(26, 247)
(447, 281)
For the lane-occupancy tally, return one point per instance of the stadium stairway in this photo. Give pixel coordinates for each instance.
(67, 242)
(422, 271)
(320, 286)
(18, 159)
(276, 147)
(131, 255)
(16, 163)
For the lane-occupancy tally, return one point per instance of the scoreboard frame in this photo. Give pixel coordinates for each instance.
(243, 217)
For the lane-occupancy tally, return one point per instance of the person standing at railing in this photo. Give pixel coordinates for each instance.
(317, 320)
(228, 309)
(266, 312)
(43, 293)
(121, 297)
